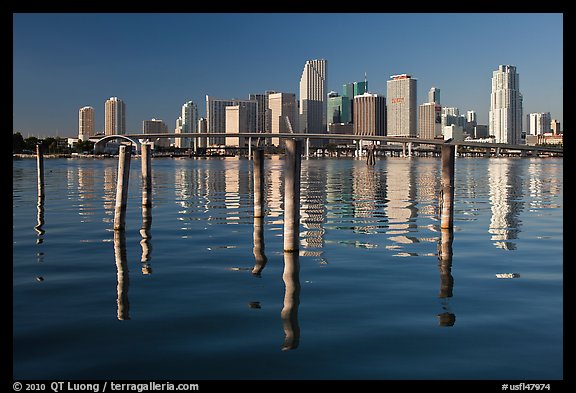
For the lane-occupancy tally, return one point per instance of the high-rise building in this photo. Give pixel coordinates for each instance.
(349, 91)
(538, 123)
(555, 126)
(283, 114)
(370, 115)
(338, 109)
(434, 95)
(237, 120)
(471, 116)
(216, 116)
(189, 116)
(156, 126)
(262, 100)
(202, 129)
(402, 108)
(313, 97)
(505, 117)
(115, 116)
(85, 123)
(429, 120)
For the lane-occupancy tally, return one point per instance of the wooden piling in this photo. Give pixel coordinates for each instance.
(289, 313)
(40, 168)
(447, 187)
(292, 195)
(122, 188)
(258, 165)
(146, 153)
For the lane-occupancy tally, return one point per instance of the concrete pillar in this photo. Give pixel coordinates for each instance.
(447, 187)
(409, 149)
(40, 168)
(123, 305)
(307, 147)
(258, 249)
(122, 188)
(292, 195)
(258, 165)
(249, 147)
(289, 313)
(146, 159)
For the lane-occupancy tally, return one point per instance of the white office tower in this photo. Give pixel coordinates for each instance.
(471, 117)
(505, 117)
(434, 95)
(402, 108)
(189, 117)
(313, 97)
(539, 123)
(85, 123)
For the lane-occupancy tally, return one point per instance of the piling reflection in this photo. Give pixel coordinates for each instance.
(258, 250)
(40, 220)
(145, 243)
(289, 314)
(122, 275)
(446, 318)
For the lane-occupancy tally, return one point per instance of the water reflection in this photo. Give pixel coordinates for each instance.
(446, 318)
(258, 250)
(313, 210)
(289, 313)
(505, 188)
(145, 243)
(40, 220)
(123, 278)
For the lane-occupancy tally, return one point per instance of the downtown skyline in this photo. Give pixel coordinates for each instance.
(63, 62)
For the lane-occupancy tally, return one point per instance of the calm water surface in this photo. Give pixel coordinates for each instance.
(195, 288)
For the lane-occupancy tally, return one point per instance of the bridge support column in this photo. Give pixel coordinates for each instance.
(447, 187)
(404, 149)
(292, 195)
(497, 152)
(307, 147)
(409, 149)
(249, 147)
(122, 188)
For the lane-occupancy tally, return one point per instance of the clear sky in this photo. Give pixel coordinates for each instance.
(155, 62)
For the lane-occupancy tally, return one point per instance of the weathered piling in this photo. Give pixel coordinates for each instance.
(146, 174)
(292, 195)
(122, 189)
(289, 313)
(258, 250)
(123, 305)
(40, 168)
(447, 188)
(258, 164)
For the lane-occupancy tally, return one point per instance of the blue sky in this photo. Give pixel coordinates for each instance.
(157, 61)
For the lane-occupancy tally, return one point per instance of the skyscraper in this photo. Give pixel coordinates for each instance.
(283, 114)
(401, 93)
(156, 126)
(189, 116)
(429, 120)
(434, 95)
(216, 116)
(313, 97)
(115, 116)
(505, 117)
(370, 115)
(538, 123)
(85, 123)
(338, 109)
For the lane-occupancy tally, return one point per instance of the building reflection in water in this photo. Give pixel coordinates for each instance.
(145, 243)
(446, 318)
(312, 210)
(401, 207)
(109, 195)
(505, 187)
(258, 250)
(274, 190)
(122, 275)
(289, 313)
